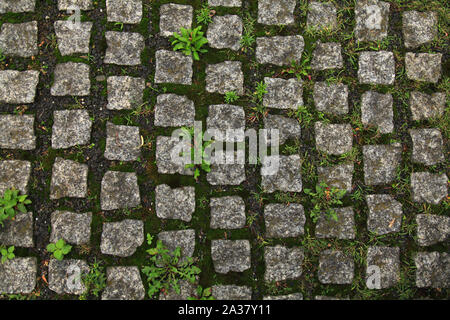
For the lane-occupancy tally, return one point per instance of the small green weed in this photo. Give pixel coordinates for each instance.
(190, 42)
(12, 203)
(7, 253)
(59, 249)
(231, 97)
(324, 199)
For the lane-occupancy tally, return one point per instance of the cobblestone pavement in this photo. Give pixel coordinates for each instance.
(357, 89)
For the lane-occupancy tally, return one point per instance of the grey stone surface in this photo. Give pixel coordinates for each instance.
(376, 67)
(279, 50)
(419, 28)
(432, 270)
(381, 162)
(372, 20)
(288, 128)
(64, 5)
(14, 174)
(17, 6)
(335, 267)
(331, 98)
(18, 86)
(231, 292)
(283, 94)
(343, 228)
(338, 176)
(172, 110)
(322, 15)
(122, 238)
(284, 220)
(18, 232)
(123, 283)
(124, 48)
(18, 276)
(327, 298)
(173, 17)
(71, 128)
(173, 67)
(69, 179)
(425, 106)
(71, 79)
(175, 203)
(377, 110)
(184, 239)
(327, 56)
(226, 174)
(119, 190)
(125, 92)
(230, 255)
(187, 290)
(335, 139)
(292, 296)
(19, 39)
(227, 212)
(425, 67)
(429, 187)
(60, 274)
(225, 32)
(17, 132)
(388, 260)
(227, 121)
(276, 12)
(432, 229)
(286, 176)
(123, 143)
(283, 263)
(73, 227)
(73, 37)
(125, 11)
(385, 214)
(224, 77)
(168, 159)
(427, 146)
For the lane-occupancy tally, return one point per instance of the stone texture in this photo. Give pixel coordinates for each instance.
(226, 174)
(424, 106)
(279, 50)
(64, 5)
(419, 28)
(428, 187)
(74, 228)
(388, 260)
(173, 67)
(72, 37)
(427, 146)
(71, 128)
(292, 296)
(282, 263)
(18, 232)
(231, 292)
(334, 139)
(125, 92)
(60, 274)
(227, 122)
(327, 56)
(224, 77)
(376, 68)
(71, 79)
(372, 20)
(276, 12)
(288, 128)
(69, 179)
(230, 255)
(184, 239)
(168, 159)
(343, 228)
(18, 276)
(335, 267)
(119, 190)
(122, 238)
(423, 66)
(227, 212)
(19, 39)
(176, 203)
(321, 15)
(17, 132)
(338, 176)
(173, 110)
(331, 98)
(283, 94)
(381, 162)
(14, 174)
(123, 143)
(123, 283)
(187, 290)
(377, 110)
(385, 214)
(173, 17)
(17, 6)
(125, 11)
(124, 48)
(18, 86)
(432, 270)
(284, 220)
(432, 229)
(225, 32)
(286, 176)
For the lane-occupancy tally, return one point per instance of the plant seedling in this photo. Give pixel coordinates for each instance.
(59, 249)
(324, 199)
(11, 203)
(231, 97)
(7, 253)
(190, 42)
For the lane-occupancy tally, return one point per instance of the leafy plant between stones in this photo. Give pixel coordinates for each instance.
(11, 203)
(190, 42)
(59, 249)
(324, 199)
(7, 253)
